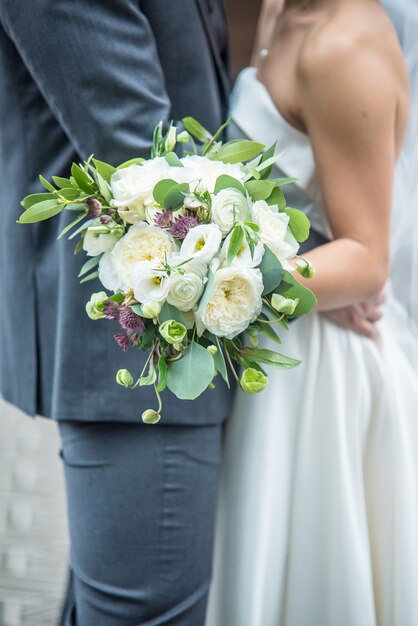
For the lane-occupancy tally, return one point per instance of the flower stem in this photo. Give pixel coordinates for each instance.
(231, 365)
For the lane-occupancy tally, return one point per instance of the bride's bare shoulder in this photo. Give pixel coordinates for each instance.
(353, 51)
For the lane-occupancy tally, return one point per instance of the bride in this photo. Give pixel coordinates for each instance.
(318, 515)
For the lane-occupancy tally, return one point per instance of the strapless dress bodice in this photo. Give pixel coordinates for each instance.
(255, 116)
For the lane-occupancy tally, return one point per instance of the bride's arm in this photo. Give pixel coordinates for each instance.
(349, 98)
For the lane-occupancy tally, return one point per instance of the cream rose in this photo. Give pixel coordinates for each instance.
(96, 242)
(274, 231)
(208, 171)
(141, 243)
(243, 257)
(229, 207)
(108, 275)
(201, 244)
(149, 284)
(132, 187)
(186, 286)
(234, 303)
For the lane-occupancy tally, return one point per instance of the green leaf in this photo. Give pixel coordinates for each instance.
(239, 151)
(162, 373)
(150, 378)
(41, 211)
(69, 193)
(219, 360)
(277, 197)
(136, 161)
(269, 357)
(272, 271)
(216, 135)
(36, 198)
(62, 183)
(196, 129)
(292, 288)
(235, 243)
(260, 189)
(46, 184)
(192, 374)
(147, 337)
(105, 170)
(81, 178)
(76, 206)
(169, 312)
(173, 160)
(285, 181)
(228, 182)
(174, 199)
(299, 224)
(208, 291)
(82, 227)
(161, 189)
(89, 265)
(91, 276)
(267, 329)
(104, 188)
(71, 225)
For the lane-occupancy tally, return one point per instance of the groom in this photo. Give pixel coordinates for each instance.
(95, 76)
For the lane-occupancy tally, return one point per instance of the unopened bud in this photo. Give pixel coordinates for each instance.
(124, 378)
(150, 416)
(212, 350)
(284, 305)
(151, 310)
(94, 207)
(305, 268)
(183, 137)
(170, 140)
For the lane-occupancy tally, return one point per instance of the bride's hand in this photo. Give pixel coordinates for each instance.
(361, 318)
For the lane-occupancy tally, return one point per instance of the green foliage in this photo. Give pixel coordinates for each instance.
(260, 189)
(239, 151)
(298, 224)
(269, 357)
(228, 182)
(291, 288)
(272, 271)
(41, 211)
(235, 243)
(192, 374)
(196, 129)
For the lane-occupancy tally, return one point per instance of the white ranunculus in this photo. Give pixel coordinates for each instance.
(208, 171)
(274, 231)
(229, 207)
(201, 244)
(149, 284)
(108, 275)
(244, 257)
(235, 301)
(95, 243)
(186, 286)
(132, 187)
(142, 242)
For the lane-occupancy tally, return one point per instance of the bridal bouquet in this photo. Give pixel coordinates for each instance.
(193, 254)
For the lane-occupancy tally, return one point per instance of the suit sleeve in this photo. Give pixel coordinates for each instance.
(97, 66)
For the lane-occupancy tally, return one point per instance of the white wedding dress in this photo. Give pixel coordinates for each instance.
(318, 514)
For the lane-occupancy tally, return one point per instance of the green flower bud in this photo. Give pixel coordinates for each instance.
(95, 305)
(253, 381)
(124, 378)
(305, 268)
(170, 141)
(150, 416)
(212, 350)
(183, 137)
(173, 332)
(117, 231)
(284, 305)
(150, 310)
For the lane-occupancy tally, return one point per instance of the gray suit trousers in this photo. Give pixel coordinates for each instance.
(141, 505)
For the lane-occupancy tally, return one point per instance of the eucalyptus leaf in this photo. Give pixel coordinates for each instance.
(277, 198)
(239, 151)
(169, 312)
(162, 188)
(260, 189)
(292, 288)
(174, 199)
(272, 271)
(189, 376)
(228, 182)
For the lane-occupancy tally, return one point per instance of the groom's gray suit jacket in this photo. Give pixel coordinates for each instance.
(80, 77)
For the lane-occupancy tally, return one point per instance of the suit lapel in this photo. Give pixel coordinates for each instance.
(220, 64)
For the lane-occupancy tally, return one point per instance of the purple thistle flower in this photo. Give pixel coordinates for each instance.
(111, 310)
(131, 321)
(122, 340)
(181, 227)
(164, 219)
(94, 207)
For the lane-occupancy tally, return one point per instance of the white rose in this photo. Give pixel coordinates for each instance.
(149, 284)
(274, 231)
(243, 257)
(132, 187)
(208, 171)
(142, 242)
(186, 286)
(95, 243)
(108, 275)
(201, 243)
(235, 301)
(229, 206)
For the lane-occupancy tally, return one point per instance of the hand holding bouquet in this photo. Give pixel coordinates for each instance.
(195, 252)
